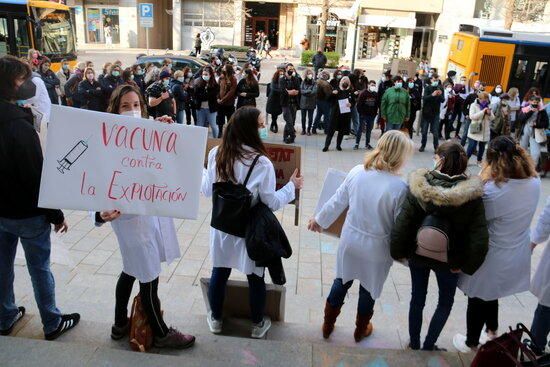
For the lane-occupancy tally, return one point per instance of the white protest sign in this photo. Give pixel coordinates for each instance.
(100, 161)
(333, 180)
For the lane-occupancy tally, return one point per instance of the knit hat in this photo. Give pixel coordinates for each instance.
(164, 74)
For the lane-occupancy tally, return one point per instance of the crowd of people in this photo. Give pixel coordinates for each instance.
(482, 243)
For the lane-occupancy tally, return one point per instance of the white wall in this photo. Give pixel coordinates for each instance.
(176, 25)
(223, 36)
(128, 25)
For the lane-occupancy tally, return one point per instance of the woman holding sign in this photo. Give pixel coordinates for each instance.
(343, 100)
(145, 242)
(231, 162)
(373, 194)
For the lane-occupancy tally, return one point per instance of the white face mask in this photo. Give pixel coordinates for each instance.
(448, 90)
(181, 79)
(132, 113)
(498, 90)
(309, 76)
(372, 88)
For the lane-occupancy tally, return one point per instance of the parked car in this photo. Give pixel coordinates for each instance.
(179, 62)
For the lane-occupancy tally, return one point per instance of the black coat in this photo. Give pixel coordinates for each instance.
(51, 81)
(252, 92)
(92, 97)
(341, 121)
(180, 95)
(140, 81)
(108, 84)
(432, 104)
(273, 105)
(292, 83)
(206, 92)
(71, 90)
(21, 166)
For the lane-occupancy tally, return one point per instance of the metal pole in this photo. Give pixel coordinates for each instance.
(147, 40)
(355, 41)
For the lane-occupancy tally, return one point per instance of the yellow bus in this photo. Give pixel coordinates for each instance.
(46, 26)
(511, 59)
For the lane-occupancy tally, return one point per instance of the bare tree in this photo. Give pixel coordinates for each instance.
(326, 5)
(523, 11)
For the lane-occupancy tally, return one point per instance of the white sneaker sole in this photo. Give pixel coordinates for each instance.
(265, 329)
(213, 330)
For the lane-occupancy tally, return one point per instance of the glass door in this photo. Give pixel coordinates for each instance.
(4, 38)
(93, 26)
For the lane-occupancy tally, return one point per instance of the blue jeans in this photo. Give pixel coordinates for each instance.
(541, 326)
(446, 282)
(205, 118)
(365, 306)
(216, 293)
(34, 234)
(466, 127)
(323, 109)
(368, 123)
(431, 124)
(355, 118)
(472, 144)
(180, 116)
(392, 126)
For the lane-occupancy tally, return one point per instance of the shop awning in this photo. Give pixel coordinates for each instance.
(387, 21)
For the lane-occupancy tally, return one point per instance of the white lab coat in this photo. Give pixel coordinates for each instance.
(41, 100)
(506, 270)
(374, 199)
(145, 242)
(228, 251)
(540, 284)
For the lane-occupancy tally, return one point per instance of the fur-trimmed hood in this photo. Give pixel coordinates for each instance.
(426, 186)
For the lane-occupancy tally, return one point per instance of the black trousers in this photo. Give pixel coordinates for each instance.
(478, 314)
(330, 134)
(223, 116)
(149, 301)
(190, 112)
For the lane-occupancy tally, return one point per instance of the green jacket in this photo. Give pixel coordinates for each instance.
(396, 105)
(459, 199)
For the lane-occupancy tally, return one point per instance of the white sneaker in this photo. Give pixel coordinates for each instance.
(259, 330)
(459, 342)
(214, 325)
(487, 336)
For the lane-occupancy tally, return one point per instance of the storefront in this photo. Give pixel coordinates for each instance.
(335, 35)
(102, 24)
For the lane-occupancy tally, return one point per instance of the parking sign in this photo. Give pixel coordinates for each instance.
(146, 15)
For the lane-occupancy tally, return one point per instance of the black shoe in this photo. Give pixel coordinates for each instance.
(412, 348)
(272, 128)
(356, 147)
(339, 148)
(119, 332)
(67, 323)
(369, 147)
(325, 149)
(17, 319)
(276, 129)
(314, 132)
(435, 148)
(421, 149)
(435, 348)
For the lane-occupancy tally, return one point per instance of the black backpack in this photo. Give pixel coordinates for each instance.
(231, 205)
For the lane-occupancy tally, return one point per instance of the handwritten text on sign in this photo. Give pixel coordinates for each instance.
(99, 161)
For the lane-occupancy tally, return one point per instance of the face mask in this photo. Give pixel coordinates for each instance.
(90, 77)
(115, 74)
(535, 106)
(309, 76)
(139, 72)
(484, 104)
(430, 74)
(435, 84)
(372, 88)
(293, 73)
(45, 68)
(218, 62)
(281, 74)
(448, 90)
(26, 90)
(263, 133)
(345, 86)
(65, 67)
(504, 103)
(189, 75)
(477, 86)
(338, 76)
(132, 76)
(463, 81)
(206, 78)
(165, 82)
(411, 85)
(398, 85)
(498, 90)
(132, 113)
(21, 102)
(181, 79)
(289, 72)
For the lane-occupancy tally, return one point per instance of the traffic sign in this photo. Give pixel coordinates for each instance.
(146, 15)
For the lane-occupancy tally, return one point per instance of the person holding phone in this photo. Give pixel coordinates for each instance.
(479, 131)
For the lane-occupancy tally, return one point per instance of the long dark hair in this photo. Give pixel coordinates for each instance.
(455, 160)
(212, 82)
(250, 78)
(242, 129)
(11, 68)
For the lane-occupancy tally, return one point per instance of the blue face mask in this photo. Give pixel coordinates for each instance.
(263, 133)
(411, 85)
(398, 85)
(21, 102)
(166, 82)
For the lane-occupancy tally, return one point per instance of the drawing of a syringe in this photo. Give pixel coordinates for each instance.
(70, 158)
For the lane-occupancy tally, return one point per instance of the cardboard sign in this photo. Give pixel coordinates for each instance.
(333, 180)
(99, 161)
(285, 159)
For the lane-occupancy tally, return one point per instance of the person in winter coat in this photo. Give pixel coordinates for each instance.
(541, 282)
(127, 77)
(228, 93)
(93, 97)
(396, 105)
(415, 95)
(340, 118)
(533, 121)
(290, 101)
(432, 99)
(324, 94)
(21, 219)
(386, 83)
(469, 99)
(160, 98)
(41, 100)
(231, 161)
(448, 191)
(273, 105)
(511, 195)
(190, 110)
(139, 78)
(64, 74)
(206, 92)
(198, 45)
(319, 62)
(515, 105)
(180, 95)
(367, 107)
(72, 96)
(145, 242)
(248, 90)
(495, 97)
(373, 194)
(479, 130)
(501, 124)
(446, 112)
(50, 79)
(308, 100)
(110, 81)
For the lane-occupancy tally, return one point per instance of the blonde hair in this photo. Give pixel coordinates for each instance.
(392, 150)
(178, 74)
(513, 92)
(484, 95)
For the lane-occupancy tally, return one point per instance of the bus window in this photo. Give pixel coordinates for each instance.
(541, 72)
(57, 32)
(22, 37)
(521, 69)
(3, 36)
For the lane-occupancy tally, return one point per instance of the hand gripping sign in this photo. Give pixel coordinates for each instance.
(99, 161)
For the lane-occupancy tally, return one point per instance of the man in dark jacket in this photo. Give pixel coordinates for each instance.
(385, 84)
(470, 98)
(20, 217)
(367, 106)
(324, 93)
(433, 97)
(290, 90)
(319, 61)
(160, 99)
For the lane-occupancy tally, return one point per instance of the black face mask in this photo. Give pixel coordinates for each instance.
(290, 72)
(26, 90)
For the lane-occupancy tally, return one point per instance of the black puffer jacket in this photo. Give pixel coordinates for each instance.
(92, 96)
(458, 199)
(21, 166)
(252, 92)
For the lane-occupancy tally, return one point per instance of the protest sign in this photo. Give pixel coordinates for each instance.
(99, 161)
(333, 180)
(285, 159)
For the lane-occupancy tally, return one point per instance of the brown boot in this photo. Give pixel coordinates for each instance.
(331, 313)
(363, 327)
